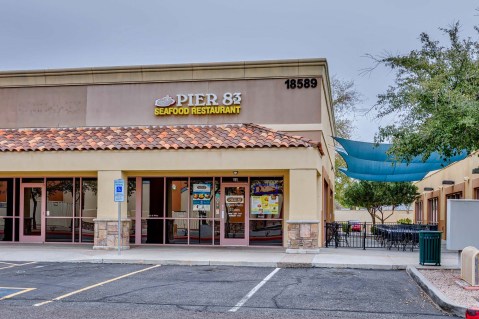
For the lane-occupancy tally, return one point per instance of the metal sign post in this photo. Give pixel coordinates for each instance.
(119, 195)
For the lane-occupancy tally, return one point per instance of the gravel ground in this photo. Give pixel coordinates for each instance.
(445, 281)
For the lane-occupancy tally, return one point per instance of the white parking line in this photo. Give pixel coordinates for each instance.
(93, 286)
(18, 265)
(4, 262)
(19, 292)
(253, 291)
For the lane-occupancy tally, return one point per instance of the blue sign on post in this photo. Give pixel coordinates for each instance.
(119, 190)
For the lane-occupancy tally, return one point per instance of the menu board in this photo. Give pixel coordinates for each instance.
(265, 204)
(201, 197)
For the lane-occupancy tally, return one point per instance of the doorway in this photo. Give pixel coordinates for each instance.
(32, 213)
(234, 224)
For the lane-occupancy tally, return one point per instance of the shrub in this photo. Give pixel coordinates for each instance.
(404, 221)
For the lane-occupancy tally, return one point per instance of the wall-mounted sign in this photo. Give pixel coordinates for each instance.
(198, 104)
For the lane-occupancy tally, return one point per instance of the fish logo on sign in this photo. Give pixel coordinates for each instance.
(165, 101)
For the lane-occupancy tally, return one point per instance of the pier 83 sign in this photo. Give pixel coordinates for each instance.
(198, 104)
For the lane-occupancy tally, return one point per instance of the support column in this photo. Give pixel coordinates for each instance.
(304, 211)
(106, 223)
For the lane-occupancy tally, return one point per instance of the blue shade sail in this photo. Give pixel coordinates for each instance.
(378, 152)
(362, 166)
(384, 178)
(369, 161)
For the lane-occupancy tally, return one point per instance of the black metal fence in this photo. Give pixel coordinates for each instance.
(369, 235)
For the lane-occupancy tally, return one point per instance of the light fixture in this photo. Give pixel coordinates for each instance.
(428, 189)
(466, 178)
(235, 172)
(447, 182)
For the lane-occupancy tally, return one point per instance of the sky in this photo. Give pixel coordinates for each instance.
(52, 34)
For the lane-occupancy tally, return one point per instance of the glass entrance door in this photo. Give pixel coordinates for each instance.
(32, 213)
(234, 214)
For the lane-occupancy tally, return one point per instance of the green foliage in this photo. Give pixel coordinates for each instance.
(346, 227)
(374, 196)
(404, 221)
(341, 181)
(435, 97)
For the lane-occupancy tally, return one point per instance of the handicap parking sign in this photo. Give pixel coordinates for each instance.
(119, 189)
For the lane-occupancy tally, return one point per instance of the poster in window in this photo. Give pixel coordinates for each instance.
(201, 197)
(265, 204)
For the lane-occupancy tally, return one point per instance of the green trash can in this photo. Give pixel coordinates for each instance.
(430, 247)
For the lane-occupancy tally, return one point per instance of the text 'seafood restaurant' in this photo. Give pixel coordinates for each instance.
(220, 154)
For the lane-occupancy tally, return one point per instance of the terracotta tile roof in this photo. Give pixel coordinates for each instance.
(148, 137)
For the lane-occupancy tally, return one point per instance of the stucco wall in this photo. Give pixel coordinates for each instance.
(464, 181)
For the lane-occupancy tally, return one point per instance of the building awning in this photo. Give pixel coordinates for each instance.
(148, 138)
(369, 161)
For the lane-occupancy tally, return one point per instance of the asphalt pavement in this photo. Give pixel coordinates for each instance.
(88, 290)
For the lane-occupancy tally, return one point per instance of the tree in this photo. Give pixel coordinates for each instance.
(345, 97)
(376, 196)
(363, 194)
(435, 97)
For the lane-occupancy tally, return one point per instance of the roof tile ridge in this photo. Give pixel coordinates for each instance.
(298, 138)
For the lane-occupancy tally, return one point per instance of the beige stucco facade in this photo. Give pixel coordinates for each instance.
(125, 96)
(454, 181)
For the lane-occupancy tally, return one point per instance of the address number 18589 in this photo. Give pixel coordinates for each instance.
(301, 83)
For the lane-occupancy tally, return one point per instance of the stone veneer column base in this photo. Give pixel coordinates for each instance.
(106, 234)
(303, 236)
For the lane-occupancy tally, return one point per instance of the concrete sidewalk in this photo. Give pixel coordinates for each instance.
(378, 258)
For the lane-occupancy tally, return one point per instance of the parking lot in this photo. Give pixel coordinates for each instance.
(87, 290)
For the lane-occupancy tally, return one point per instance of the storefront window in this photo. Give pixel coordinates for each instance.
(266, 232)
(266, 198)
(177, 231)
(234, 179)
(201, 232)
(89, 197)
(87, 230)
(33, 180)
(89, 208)
(60, 201)
(152, 198)
(7, 220)
(201, 198)
(131, 207)
(59, 229)
(60, 197)
(177, 197)
(266, 211)
(152, 210)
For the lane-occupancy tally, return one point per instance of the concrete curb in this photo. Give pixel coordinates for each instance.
(437, 296)
(361, 266)
(280, 264)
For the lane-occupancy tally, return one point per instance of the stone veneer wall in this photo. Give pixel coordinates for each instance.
(106, 234)
(303, 236)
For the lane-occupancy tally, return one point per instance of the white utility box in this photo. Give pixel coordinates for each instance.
(462, 224)
(470, 265)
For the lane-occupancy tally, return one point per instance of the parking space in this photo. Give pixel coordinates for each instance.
(99, 290)
(9, 292)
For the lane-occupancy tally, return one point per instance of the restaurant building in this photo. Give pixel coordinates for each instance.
(213, 154)
(459, 180)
